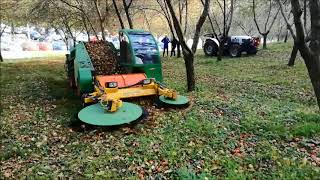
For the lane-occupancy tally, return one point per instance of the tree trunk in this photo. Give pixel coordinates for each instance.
(86, 27)
(221, 49)
(186, 19)
(264, 40)
(227, 21)
(187, 53)
(190, 71)
(313, 65)
(91, 26)
(100, 20)
(279, 33)
(286, 37)
(126, 9)
(199, 25)
(293, 55)
(147, 21)
(12, 31)
(180, 13)
(305, 14)
(69, 31)
(315, 78)
(314, 62)
(311, 54)
(1, 58)
(178, 50)
(170, 26)
(118, 13)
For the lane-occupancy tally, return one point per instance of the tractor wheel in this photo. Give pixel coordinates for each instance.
(252, 52)
(72, 83)
(210, 48)
(235, 50)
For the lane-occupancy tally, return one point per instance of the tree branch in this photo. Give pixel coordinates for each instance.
(286, 20)
(199, 25)
(254, 16)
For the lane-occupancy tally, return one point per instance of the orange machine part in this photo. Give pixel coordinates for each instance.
(123, 80)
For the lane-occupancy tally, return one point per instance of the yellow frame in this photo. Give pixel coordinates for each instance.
(111, 97)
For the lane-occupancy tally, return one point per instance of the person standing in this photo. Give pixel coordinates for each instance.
(165, 42)
(174, 43)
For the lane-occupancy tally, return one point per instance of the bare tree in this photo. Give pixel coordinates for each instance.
(101, 17)
(188, 54)
(82, 9)
(295, 49)
(227, 20)
(118, 14)
(57, 16)
(310, 53)
(7, 15)
(166, 14)
(266, 29)
(2, 29)
(126, 7)
(84, 22)
(220, 29)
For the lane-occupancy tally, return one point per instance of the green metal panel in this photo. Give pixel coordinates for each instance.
(151, 70)
(96, 115)
(181, 100)
(82, 69)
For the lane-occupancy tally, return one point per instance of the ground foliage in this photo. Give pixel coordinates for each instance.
(250, 117)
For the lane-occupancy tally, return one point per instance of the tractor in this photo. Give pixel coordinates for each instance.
(104, 94)
(234, 45)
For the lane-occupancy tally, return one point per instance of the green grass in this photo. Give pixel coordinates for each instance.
(251, 117)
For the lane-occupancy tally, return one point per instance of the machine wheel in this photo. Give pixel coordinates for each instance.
(252, 52)
(96, 115)
(235, 50)
(72, 83)
(210, 48)
(180, 102)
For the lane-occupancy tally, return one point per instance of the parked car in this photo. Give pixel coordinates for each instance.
(34, 35)
(53, 37)
(82, 37)
(44, 46)
(30, 46)
(234, 45)
(59, 45)
(6, 45)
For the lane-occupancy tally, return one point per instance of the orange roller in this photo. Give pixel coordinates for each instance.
(123, 80)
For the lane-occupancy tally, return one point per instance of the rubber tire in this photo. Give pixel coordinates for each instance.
(72, 83)
(252, 52)
(210, 44)
(235, 50)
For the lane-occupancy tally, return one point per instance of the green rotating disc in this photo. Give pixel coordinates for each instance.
(181, 100)
(96, 115)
